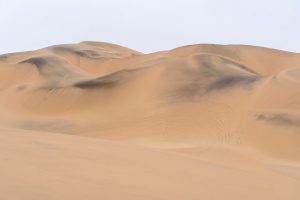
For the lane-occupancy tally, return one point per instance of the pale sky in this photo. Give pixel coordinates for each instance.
(151, 25)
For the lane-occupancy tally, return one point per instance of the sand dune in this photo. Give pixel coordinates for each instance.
(196, 122)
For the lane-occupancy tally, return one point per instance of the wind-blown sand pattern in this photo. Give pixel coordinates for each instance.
(99, 121)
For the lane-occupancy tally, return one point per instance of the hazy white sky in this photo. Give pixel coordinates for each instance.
(149, 25)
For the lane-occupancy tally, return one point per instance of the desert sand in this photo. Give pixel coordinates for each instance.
(95, 120)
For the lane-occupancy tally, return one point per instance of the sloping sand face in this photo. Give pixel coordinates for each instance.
(100, 121)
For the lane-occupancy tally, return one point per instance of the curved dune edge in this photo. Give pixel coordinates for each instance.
(98, 120)
(290, 76)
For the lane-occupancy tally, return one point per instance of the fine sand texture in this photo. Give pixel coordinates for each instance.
(96, 120)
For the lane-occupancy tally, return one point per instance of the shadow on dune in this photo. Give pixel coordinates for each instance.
(279, 119)
(231, 81)
(107, 81)
(207, 73)
(87, 53)
(3, 57)
(58, 73)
